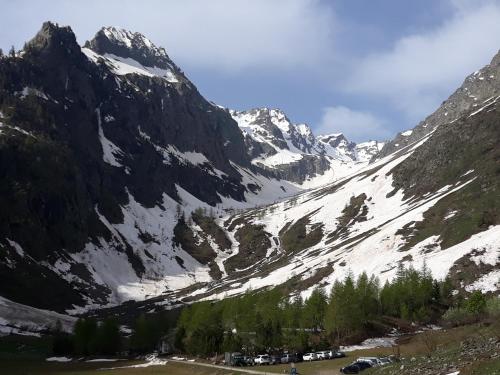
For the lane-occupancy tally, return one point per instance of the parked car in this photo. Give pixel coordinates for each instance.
(288, 358)
(249, 360)
(351, 369)
(363, 365)
(275, 359)
(336, 354)
(384, 361)
(323, 355)
(234, 359)
(262, 359)
(310, 357)
(374, 361)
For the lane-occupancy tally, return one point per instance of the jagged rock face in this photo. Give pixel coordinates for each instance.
(135, 46)
(300, 170)
(287, 150)
(339, 143)
(476, 89)
(93, 145)
(292, 151)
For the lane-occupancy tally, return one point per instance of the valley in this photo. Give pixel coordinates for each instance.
(125, 193)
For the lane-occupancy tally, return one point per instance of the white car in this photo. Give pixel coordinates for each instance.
(310, 357)
(262, 359)
(323, 355)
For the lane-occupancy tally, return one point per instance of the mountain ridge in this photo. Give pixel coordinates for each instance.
(294, 152)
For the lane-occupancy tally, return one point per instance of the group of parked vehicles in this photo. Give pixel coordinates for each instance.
(238, 359)
(325, 354)
(363, 363)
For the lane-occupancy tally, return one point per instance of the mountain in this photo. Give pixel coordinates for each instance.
(434, 201)
(120, 182)
(294, 153)
(102, 151)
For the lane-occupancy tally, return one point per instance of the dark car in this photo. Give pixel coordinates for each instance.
(355, 368)
(288, 358)
(351, 369)
(337, 354)
(275, 359)
(363, 365)
(238, 361)
(299, 357)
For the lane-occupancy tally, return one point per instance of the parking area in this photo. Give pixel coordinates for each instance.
(237, 359)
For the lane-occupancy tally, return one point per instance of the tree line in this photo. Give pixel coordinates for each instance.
(91, 337)
(354, 308)
(270, 320)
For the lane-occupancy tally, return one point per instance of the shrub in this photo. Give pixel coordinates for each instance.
(456, 316)
(493, 307)
(476, 304)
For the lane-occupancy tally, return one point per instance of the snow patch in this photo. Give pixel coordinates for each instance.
(125, 65)
(487, 283)
(58, 359)
(378, 342)
(109, 149)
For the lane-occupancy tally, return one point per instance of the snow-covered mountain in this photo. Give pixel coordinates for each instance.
(294, 153)
(121, 182)
(103, 150)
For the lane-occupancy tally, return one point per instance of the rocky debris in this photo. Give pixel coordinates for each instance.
(448, 361)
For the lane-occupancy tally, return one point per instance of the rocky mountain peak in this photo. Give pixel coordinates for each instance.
(53, 39)
(332, 139)
(127, 44)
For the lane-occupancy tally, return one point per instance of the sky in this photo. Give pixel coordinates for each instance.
(367, 68)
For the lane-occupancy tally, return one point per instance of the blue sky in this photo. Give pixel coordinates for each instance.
(365, 68)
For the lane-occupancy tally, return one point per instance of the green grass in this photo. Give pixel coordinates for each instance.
(40, 367)
(483, 367)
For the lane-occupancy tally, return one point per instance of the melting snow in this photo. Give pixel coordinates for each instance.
(58, 359)
(407, 133)
(21, 319)
(151, 360)
(376, 250)
(109, 149)
(17, 247)
(126, 65)
(378, 342)
(487, 283)
(450, 214)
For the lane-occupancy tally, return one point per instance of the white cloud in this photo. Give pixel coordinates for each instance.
(236, 34)
(355, 125)
(421, 70)
(225, 35)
